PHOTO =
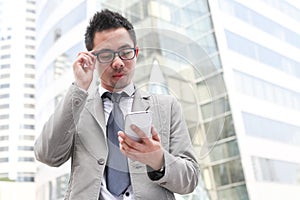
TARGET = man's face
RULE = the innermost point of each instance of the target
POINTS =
(118, 73)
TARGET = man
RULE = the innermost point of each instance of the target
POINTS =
(152, 168)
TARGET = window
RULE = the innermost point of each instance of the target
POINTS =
(234, 193)
(61, 185)
(30, 11)
(267, 25)
(228, 173)
(27, 126)
(4, 137)
(29, 95)
(30, 20)
(29, 76)
(4, 148)
(28, 116)
(211, 88)
(216, 107)
(30, 47)
(225, 150)
(25, 177)
(4, 127)
(25, 148)
(30, 29)
(30, 37)
(219, 129)
(4, 96)
(264, 90)
(26, 137)
(28, 85)
(271, 129)
(5, 47)
(29, 106)
(5, 116)
(25, 159)
(7, 85)
(264, 55)
(2, 160)
(29, 66)
(5, 66)
(5, 56)
(4, 106)
(2, 76)
(276, 171)
(30, 56)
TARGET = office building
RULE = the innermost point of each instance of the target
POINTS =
(17, 99)
(259, 44)
(17, 90)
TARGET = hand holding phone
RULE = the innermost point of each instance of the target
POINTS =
(142, 119)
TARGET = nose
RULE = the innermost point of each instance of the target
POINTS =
(117, 63)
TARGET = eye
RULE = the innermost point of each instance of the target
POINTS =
(105, 56)
(127, 53)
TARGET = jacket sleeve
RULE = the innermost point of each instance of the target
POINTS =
(181, 167)
(54, 145)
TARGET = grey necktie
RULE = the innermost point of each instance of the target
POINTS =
(117, 173)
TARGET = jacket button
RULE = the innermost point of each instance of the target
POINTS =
(101, 161)
(77, 102)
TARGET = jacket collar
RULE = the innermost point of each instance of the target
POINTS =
(141, 101)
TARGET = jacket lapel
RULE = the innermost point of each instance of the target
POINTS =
(94, 139)
(95, 107)
(141, 101)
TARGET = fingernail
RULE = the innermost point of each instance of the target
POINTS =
(133, 126)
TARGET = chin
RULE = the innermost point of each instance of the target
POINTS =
(120, 85)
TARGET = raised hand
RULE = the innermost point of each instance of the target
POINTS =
(83, 69)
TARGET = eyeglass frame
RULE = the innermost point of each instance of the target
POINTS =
(114, 54)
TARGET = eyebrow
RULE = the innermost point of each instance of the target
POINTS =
(121, 47)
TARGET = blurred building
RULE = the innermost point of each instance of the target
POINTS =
(233, 65)
(259, 44)
(17, 98)
(17, 84)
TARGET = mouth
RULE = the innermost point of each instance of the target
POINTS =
(118, 75)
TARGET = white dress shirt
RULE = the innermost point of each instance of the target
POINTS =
(126, 106)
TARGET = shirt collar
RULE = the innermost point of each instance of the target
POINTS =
(129, 90)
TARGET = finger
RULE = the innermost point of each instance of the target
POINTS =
(87, 61)
(127, 149)
(155, 135)
(126, 141)
(87, 58)
(139, 132)
(133, 146)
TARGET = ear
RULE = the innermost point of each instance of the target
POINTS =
(136, 51)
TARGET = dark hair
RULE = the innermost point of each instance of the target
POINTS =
(105, 20)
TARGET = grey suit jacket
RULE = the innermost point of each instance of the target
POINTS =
(77, 129)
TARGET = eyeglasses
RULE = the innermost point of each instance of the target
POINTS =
(107, 56)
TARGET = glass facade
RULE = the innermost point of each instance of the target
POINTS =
(193, 73)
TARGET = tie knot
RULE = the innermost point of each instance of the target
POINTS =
(115, 97)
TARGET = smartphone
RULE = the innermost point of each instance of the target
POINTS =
(142, 119)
